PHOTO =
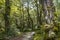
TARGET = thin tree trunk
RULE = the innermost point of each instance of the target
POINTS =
(7, 15)
(30, 21)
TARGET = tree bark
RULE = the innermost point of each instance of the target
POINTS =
(7, 15)
(47, 6)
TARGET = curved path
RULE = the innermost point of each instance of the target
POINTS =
(24, 36)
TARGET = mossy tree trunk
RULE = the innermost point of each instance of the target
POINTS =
(48, 11)
(7, 15)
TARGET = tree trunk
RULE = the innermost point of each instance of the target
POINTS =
(48, 14)
(7, 15)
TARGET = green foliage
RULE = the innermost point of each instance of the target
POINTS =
(24, 18)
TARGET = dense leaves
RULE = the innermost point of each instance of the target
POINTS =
(20, 16)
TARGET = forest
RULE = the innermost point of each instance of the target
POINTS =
(29, 19)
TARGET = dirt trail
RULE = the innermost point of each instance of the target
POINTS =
(24, 36)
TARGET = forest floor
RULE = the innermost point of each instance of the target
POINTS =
(24, 36)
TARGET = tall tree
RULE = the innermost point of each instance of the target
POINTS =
(48, 14)
(30, 21)
(7, 15)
